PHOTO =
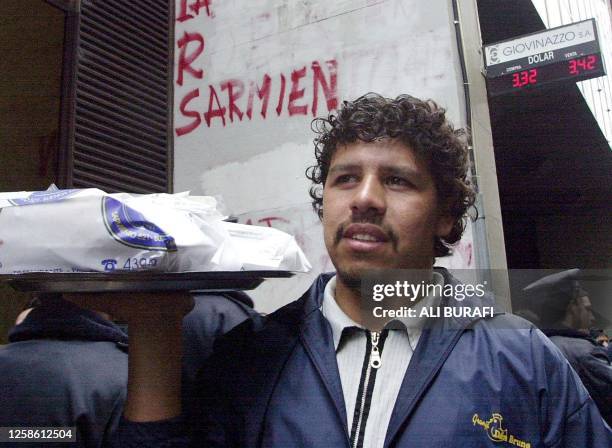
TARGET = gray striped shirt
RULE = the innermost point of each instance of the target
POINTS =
(350, 352)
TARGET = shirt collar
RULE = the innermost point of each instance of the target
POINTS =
(338, 320)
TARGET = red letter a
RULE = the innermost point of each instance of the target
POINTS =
(212, 113)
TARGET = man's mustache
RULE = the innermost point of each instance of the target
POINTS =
(367, 220)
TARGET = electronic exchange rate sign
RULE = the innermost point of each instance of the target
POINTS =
(566, 53)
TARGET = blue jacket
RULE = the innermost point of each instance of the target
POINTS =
(213, 315)
(274, 382)
(591, 362)
(64, 366)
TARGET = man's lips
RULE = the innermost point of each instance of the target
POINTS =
(365, 235)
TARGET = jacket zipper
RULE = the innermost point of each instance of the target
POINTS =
(374, 363)
(375, 360)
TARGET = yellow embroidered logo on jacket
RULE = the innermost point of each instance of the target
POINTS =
(496, 432)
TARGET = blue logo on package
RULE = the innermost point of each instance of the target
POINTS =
(131, 228)
(40, 197)
(109, 264)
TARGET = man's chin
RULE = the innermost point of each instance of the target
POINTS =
(358, 266)
(357, 271)
(350, 279)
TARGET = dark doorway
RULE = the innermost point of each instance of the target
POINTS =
(31, 36)
(32, 43)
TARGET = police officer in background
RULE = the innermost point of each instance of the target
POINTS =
(566, 318)
(64, 366)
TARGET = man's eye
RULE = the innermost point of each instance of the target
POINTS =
(344, 178)
(398, 181)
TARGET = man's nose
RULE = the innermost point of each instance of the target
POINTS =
(369, 197)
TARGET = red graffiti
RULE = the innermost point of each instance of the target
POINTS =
(213, 112)
(235, 89)
(466, 251)
(263, 94)
(194, 7)
(183, 15)
(268, 220)
(189, 113)
(199, 4)
(297, 93)
(232, 102)
(185, 61)
(329, 90)
(281, 97)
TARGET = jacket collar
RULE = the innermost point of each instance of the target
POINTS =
(60, 319)
(339, 321)
(568, 333)
(276, 336)
(317, 337)
(436, 344)
(312, 300)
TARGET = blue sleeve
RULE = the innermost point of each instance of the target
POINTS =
(596, 374)
(585, 428)
(169, 433)
(570, 416)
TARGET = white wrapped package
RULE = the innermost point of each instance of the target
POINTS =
(91, 231)
(267, 248)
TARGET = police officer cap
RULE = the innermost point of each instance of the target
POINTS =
(563, 285)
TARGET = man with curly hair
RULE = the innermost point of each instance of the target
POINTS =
(391, 187)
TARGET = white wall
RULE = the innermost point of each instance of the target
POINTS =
(257, 164)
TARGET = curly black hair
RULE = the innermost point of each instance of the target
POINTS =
(419, 124)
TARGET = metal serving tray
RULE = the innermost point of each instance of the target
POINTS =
(139, 281)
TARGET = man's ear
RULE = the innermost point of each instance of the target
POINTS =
(572, 306)
(444, 225)
(570, 312)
